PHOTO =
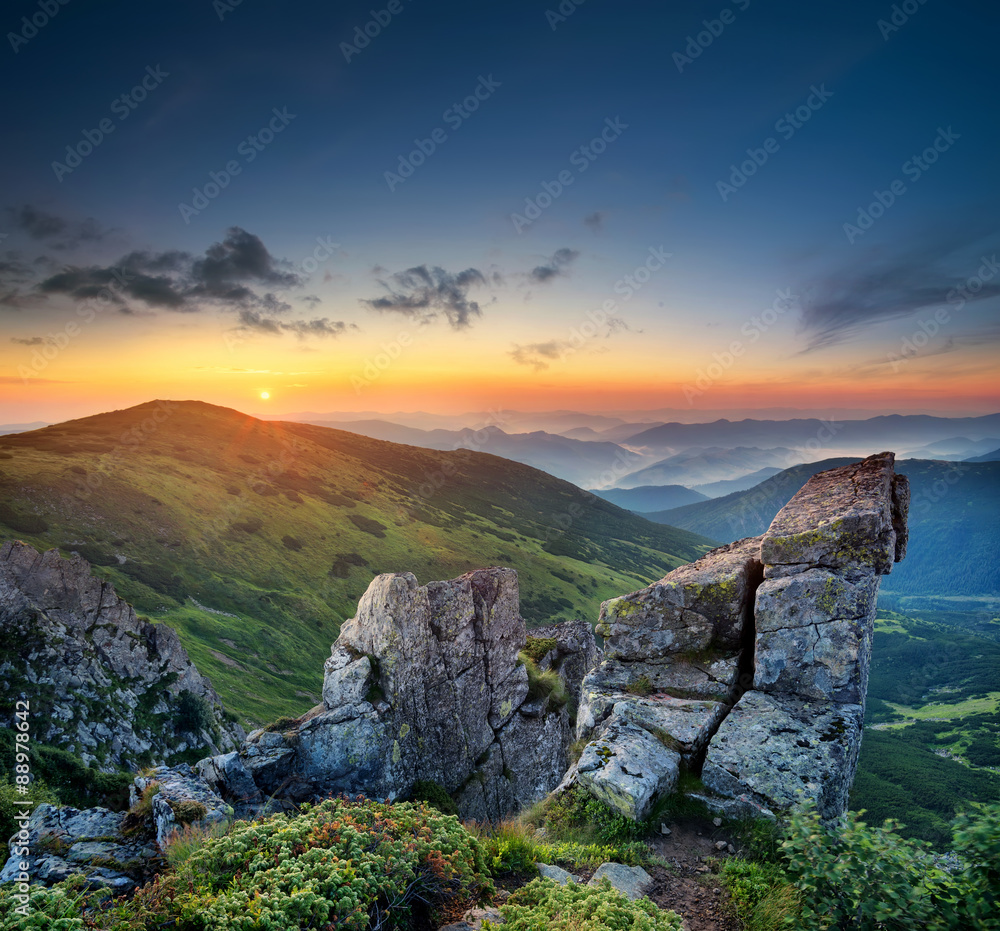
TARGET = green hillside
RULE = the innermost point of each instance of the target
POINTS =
(932, 726)
(255, 539)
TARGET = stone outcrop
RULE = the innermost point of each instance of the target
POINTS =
(750, 666)
(424, 683)
(103, 683)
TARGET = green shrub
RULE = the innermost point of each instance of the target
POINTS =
(537, 647)
(192, 713)
(21, 523)
(188, 811)
(283, 723)
(854, 876)
(367, 525)
(434, 794)
(545, 904)
(292, 543)
(576, 815)
(762, 897)
(548, 684)
(640, 686)
(57, 909)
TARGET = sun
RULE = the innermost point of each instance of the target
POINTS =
(264, 395)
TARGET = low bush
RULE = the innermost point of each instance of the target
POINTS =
(435, 795)
(545, 904)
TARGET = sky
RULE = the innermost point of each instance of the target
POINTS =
(413, 205)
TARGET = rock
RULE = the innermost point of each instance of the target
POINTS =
(474, 918)
(424, 683)
(183, 797)
(664, 830)
(556, 874)
(717, 822)
(627, 768)
(109, 692)
(63, 841)
(777, 749)
(721, 845)
(575, 652)
(753, 661)
(630, 881)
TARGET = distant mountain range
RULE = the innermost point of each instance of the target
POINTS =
(254, 539)
(954, 523)
(651, 497)
(707, 465)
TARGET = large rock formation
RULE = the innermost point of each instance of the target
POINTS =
(424, 683)
(750, 666)
(102, 683)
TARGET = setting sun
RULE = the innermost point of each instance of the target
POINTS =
(264, 395)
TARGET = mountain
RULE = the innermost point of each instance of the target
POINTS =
(577, 461)
(954, 526)
(896, 431)
(986, 457)
(728, 486)
(21, 427)
(712, 464)
(651, 497)
(956, 447)
(255, 539)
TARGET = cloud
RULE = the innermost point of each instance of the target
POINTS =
(254, 321)
(885, 287)
(15, 299)
(311, 299)
(227, 275)
(30, 340)
(538, 355)
(594, 221)
(57, 232)
(557, 265)
(425, 294)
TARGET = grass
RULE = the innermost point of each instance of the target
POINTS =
(936, 711)
(202, 508)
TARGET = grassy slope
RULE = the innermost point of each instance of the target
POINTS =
(932, 716)
(284, 525)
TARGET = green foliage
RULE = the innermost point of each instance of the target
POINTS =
(548, 684)
(20, 522)
(537, 647)
(577, 815)
(435, 795)
(192, 713)
(640, 686)
(188, 811)
(545, 904)
(367, 525)
(762, 898)
(60, 908)
(283, 723)
(856, 877)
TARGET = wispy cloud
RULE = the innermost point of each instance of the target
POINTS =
(426, 293)
(556, 266)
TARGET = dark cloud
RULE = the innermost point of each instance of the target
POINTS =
(427, 293)
(16, 299)
(227, 275)
(57, 232)
(254, 321)
(311, 299)
(556, 266)
(29, 341)
(884, 287)
(594, 221)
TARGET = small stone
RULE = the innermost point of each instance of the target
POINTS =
(717, 822)
(664, 830)
(721, 845)
(730, 849)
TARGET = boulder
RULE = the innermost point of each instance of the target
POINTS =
(183, 797)
(631, 881)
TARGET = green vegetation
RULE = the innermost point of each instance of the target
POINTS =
(932, 725)
(547, 684)
(544, 904)
(640, 686)
(435, 795)
(536, 647)
(277, 529)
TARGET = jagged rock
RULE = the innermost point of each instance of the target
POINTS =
(695, 607)
(180, 788)
(627, 768)
(630, 881)
(777, 750)
(574, 654)
(59, 842)
(228, 777)
(103, 683)
(781, 627)
(556, 873)
(424, 683)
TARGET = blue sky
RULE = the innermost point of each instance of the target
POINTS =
(835, 102)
